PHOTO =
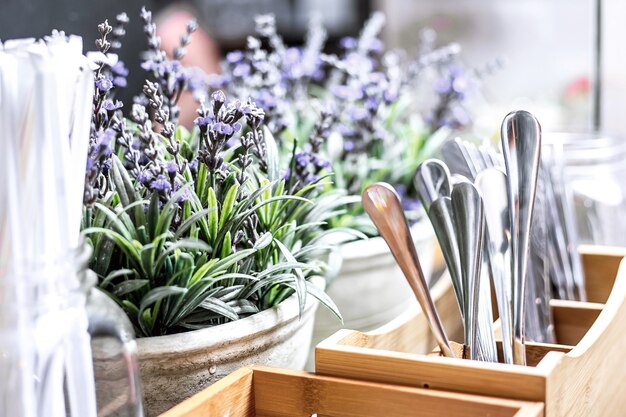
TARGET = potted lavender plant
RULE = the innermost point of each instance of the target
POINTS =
(212, 241)
(376, 116)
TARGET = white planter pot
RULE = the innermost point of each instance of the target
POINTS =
(175, 367)
(370, 289)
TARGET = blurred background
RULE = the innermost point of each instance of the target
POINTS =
(563, 60)
(548, 48)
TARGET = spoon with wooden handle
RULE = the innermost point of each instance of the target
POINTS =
(382, 204)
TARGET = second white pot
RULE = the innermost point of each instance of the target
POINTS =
(370, 289)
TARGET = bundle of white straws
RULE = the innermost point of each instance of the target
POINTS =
(46, 92)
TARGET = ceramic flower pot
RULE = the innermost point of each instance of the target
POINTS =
(370, 289)
(174, 367)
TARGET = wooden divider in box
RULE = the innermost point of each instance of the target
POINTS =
(267, 392)
(580, 376)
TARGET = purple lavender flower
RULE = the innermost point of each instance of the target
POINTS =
(204, 121)
(241, 70)
(293, 56)
(218, 81)
(377, 78)
(223, 128)
(303, 159)
(119, 68)
(120, 72)
(348, 93)
(104, 84)
(376, 46)
(110, 105)
(171, 167)
(442, 86)
(348, 146)
(193, 166)
(358, 114)
(104, 141)
(145, 177)
(234, 57)
(183, 197)
(161, 184)
(345, 130)
(320, 163)
(218, 96)
(390, 96)
(411, 204)
(348, 42)
(120, 82)
(148, 66)
(372, 103)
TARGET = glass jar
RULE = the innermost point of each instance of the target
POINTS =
(47, 318)
(595, 169)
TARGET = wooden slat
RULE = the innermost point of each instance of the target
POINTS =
(232, 396)
(499, 380)
(266, 392)
(573, 319)
(600, 264)
(281, 393)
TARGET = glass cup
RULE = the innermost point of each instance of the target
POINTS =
(595, 169)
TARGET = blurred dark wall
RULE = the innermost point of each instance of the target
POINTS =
(37, 18)
(228, 21)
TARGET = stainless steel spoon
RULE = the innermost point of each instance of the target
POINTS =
(521, 146)
(440, 215)
(432, 180)
(382, 204)
(492, 185)
(467, 207)
(458, 158)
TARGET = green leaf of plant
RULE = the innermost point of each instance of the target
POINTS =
(124, 244)
(202, 271)
(282, 266)
(323, 298)
(243, 307)
(190, 221)
(125, 188)
(213, 214)
(263, 241)
(194, 245)
(218, 306)
(272, 155)
(153, 214)
(300, 283)
(116, 274)
(202, 181)
(153, 296)
(102, 254)
(226, 243)
(129, 286)
(225, 263)
(117, 223)
(227, 205)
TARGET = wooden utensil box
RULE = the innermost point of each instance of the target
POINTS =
(582, 375)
